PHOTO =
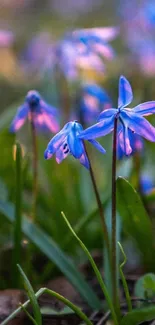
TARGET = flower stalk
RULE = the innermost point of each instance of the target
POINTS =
(100, 207)
(113, 220)
(35, 168)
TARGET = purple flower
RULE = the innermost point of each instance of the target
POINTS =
(44, 116)
(129, 119)
(93, 100)
(67, 142)
(96, 40)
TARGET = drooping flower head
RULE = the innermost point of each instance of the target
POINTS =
(94, 99)
(129, 119)
(66, 142)
(44, 116)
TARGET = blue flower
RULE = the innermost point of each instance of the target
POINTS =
(93, 100)
(146, 183)
(96, 40)
(44, 116)
(129, 119)
(66, 142)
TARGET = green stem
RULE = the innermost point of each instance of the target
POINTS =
(96, 271)
(113, 221)
(52, 293)
(125, 286)
(35, 168)
(18, 218)
(99, 204)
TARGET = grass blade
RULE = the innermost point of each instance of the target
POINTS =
(125, 286)
(32, 297)
(95, 268)
(18, 218)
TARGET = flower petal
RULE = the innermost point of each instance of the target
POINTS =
(138, 124)
(62, 153)
(108, 113)
(75, 145)
(105, 33)
(145, 109)
(124, 141)
(84, 160)
(57, 141)
(125, 92)
(20, 118)
(97, 145)
(99, 129)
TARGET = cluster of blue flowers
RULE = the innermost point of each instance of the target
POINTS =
(138, 23)
(70, 140)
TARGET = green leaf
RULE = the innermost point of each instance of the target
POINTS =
(32, 297)
(54, 253)
(145, 286)
(46, 310)
(136, 221)
(139, 316)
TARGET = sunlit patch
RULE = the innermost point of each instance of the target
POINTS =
(14, 151)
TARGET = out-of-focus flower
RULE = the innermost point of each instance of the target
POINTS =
(79, 49)
(129, 119)
(6, 38)
(38, 51)
(93, 100)
(85, 48)
(44, 116)
(138, 24)
(147, 183)
(66, 142)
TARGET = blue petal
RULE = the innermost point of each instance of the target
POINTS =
(20, 118)
(98, 130)
(75, 145)
(145, 109)
(124, 140)
(84, 160)
(62, 153)
(97, 145)
(125, 92)
(138, 124)
(57, 141)
(108, 113)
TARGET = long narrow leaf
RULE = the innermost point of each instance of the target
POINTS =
(32, 297)
(136, 222)
(54, 253)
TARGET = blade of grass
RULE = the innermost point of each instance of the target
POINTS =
(125, 286)
(95, 268)
(18, 218)
(32, 297)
